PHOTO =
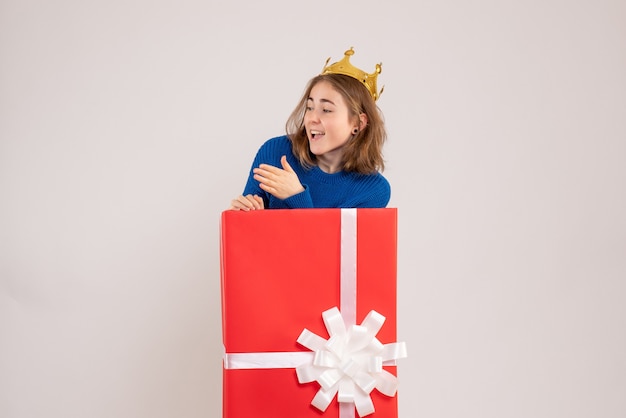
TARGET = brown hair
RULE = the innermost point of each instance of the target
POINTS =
(363, 152)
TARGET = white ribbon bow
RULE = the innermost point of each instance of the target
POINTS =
(350, 363)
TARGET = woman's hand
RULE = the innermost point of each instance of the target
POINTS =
(249, 202)
(280, 183)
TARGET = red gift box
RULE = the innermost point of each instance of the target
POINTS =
(280, 269)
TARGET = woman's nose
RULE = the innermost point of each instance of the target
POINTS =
(313, 115)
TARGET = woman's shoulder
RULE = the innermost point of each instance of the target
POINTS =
(377, 181)
(369, 190)
(373, 182)
(380, 180)
(375, 177)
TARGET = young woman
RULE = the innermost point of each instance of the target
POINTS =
(331, 156)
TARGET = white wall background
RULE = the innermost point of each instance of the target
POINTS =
(127, 126)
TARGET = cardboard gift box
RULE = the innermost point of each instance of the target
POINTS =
(280, 271)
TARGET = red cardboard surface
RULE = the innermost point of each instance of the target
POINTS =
(280, 270)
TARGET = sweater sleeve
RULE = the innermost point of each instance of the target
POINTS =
(270, 153)
(301, 200)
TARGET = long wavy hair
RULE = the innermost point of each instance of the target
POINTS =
(363, 151)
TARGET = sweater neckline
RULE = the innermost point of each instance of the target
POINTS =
(329, 178)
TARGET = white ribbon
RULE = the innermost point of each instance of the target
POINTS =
(265, 360)
(348, 266)
(348, 364)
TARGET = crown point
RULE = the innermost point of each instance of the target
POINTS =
(346, 68)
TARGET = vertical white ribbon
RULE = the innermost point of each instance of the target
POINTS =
(348, 266)
(346, 410)
(348, 283)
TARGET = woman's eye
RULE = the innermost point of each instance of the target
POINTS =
(308, 108)
(327, 110)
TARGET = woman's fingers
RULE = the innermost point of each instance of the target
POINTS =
(248, 202)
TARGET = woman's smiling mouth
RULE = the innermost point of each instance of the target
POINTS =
(316, 134)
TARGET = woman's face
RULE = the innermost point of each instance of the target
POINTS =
(328, 125)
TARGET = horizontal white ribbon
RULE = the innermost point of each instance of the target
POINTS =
(281, 359)
(276, 360)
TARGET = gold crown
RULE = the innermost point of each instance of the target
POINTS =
(344, 67)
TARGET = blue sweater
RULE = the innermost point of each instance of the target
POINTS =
(321, 190)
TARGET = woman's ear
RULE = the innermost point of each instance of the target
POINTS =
(362, 121)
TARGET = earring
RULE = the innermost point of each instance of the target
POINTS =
(355, 131)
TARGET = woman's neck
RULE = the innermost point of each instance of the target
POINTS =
(330, 162)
